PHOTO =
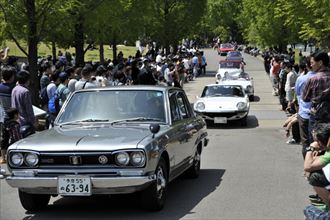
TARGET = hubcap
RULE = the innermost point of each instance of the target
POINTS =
(161, 182)
(197, 159)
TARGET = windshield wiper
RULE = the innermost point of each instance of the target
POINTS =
(137, 119)
(79, 122)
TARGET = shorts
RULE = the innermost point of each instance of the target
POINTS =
(318, 179)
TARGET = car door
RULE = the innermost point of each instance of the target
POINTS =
(190, 125)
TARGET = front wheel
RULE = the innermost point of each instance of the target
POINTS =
(194, 170)
(153, 198)
(33, 202)
(244, 121)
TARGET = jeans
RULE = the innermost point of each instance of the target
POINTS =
(313, 213)
(304, 134)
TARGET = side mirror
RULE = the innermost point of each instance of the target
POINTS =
(154, 129)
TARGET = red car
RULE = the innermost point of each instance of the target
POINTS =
(225, 48)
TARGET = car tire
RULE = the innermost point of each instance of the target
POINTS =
(153, 198)
(251, 98)
(194, 170)
(33, 202)
(244, 121)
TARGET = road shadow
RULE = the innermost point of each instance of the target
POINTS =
(183, 195)
(255, 99)
(252, 122)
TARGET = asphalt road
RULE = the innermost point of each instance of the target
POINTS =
(247, 173)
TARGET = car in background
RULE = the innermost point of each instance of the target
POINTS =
(225, 48)
(223, 102)
(233, 54)
(113, 140)
(226, 66)
(238, 77)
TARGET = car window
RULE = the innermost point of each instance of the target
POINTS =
(184, 109)
(175, 112)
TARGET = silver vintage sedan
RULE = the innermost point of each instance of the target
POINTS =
(110, 141)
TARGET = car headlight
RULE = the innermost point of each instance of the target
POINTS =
(31, 159)
(200, 106)
(218, 76)
(17, 159)
(137, 158)
(241, 106)
(122, 158)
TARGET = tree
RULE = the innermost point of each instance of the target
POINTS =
(28, 27)
(171, 20)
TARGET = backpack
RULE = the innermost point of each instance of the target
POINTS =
(43, 96)
(54, 103)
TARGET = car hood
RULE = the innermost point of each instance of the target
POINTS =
(95, 138)
(216, 104)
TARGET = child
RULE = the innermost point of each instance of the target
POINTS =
(11, 130)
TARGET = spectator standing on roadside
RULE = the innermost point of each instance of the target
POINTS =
(304, 107)
(317, 84)
(274, 76)
(8, 74)
(290, 83)
(84, 82)
(21, 100)
(46, 70)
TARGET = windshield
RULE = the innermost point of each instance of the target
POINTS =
(234, 54)
(114, 106)
(236, 75)
(230, 65)
(226, 46)
(223, 90)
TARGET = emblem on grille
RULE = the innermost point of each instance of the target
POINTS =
(103, 159)
(75, 160)
(220, 106)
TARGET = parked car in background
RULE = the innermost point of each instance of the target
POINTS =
(225, 48)
(238, 77)
(223, 102)
(110, 141)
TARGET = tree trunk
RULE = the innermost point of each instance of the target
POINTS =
(33, 50)
(101, 50)
(54, 52)
(79, 43)
(166, 28)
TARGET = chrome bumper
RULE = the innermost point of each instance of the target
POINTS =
(100, 185)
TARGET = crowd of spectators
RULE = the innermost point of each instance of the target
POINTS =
(59, 77)
(304, 94)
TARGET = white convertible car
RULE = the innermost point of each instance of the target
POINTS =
(223, 102)
(237, 77)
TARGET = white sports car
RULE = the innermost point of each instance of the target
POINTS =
(227, 66)
(237, 77)
(223, 102)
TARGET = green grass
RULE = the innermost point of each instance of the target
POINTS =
(44, 50)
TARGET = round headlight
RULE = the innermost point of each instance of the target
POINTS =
(249, 88)
(17, 159)
(200, 106)
(31, 159)
(218, 76)
(137, 158)
(241, 106)
(122, 158)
